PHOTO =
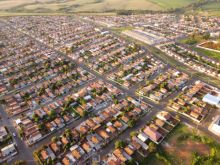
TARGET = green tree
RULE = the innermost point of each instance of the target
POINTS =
(131, 123)
(133, 133)
(152, 147)
(40, 126)
(52, 114)
(20, 162)
(54, 139)
(36, 118)
(21, 132)
(119, 144)
(206, 36)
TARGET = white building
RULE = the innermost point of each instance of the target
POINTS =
(8, 150)
(215, 126)
(211, 99)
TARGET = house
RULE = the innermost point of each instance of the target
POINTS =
(159, 122)
(163, 115)
(153, 134)
(103, 134)
(121, 155)
(55, 147)
(94, 140)
(90, 123)
(129, 150)
(113, 160)
(44, 154)
(66, 161)
(9, 149)
(176, 106)
(195, 115)
(77, 152)
(86, 147)
(34, 137)
(135, 144)
(117, 124)
(111, 129)
(75, 134)
(143, 137)
(3, 133)
(64, 140)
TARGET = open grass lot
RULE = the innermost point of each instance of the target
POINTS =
(184, 146)
(33, 6)
(9, 4)
(95, 5)
(172, 3)
(208, 53)
(212, 8)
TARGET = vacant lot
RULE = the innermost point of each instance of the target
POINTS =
(88, 5)
(185, 146)
(182, 147)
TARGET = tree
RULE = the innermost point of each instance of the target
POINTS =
(41, 91)
(133, 133)
(84, 113)
(131, 123)
(82, 101)
(19, 162)
(21, 132)
(68, 133)
(36, 118)
(131, 162)
(152, 147)
(177, 117)
(115, 101)
(52, 114)
(54, 139)
(213, 152)
(2, 101)
(119, 144)
(206, 36)
(40, 126)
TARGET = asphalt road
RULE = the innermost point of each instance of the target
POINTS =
(24, 152)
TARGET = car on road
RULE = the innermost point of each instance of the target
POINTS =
(14, 134)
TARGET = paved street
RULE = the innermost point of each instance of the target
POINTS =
(24, 152)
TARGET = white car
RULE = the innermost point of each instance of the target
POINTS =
(14, 134)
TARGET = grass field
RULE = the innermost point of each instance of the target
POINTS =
(210, 9)
(212, 54)
(167, 4)
(33, 6)
(211, 6)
